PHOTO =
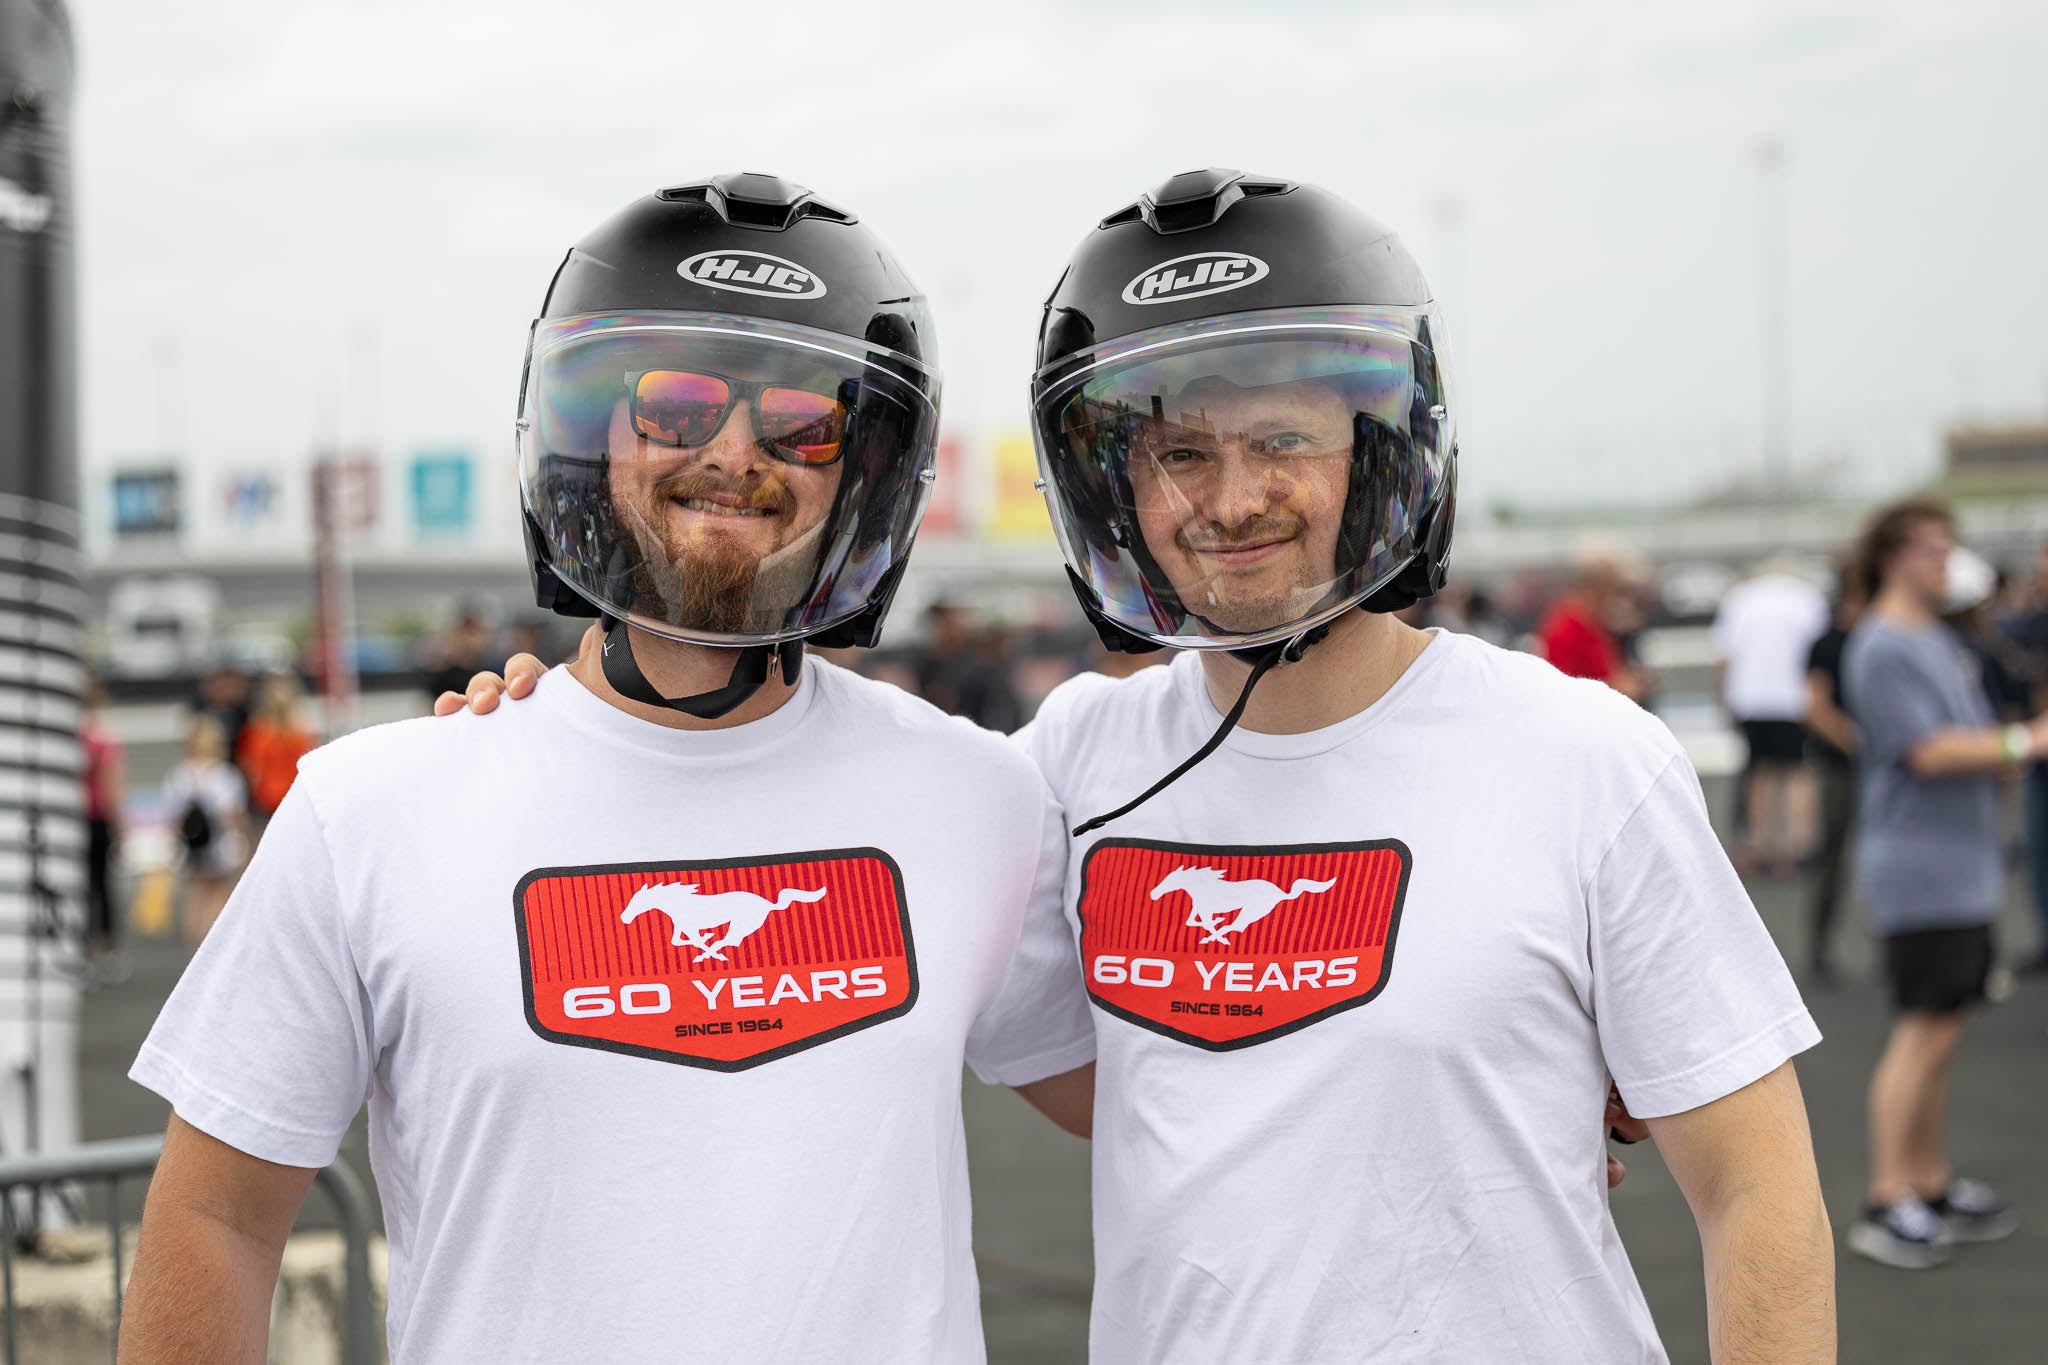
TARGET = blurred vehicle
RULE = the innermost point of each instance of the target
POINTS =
(160, 627)
(258, 648)
(379, 654)
(1693, 590)
(372, 656)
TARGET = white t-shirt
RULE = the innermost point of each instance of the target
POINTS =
(661, 1031)
(1358, 994)
(1764, 630)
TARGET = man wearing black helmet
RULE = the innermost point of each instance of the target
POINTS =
(666, 1067)
(1363, 966)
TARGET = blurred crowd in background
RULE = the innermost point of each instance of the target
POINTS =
(1773, 641)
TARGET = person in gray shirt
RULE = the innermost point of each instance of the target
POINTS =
(1930, 867)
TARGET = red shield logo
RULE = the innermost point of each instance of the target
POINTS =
(1227, 947)
(724, 965)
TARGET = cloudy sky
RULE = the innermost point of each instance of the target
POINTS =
(333, 218)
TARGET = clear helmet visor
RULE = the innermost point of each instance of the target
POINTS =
(1236, 481)
(722, 480)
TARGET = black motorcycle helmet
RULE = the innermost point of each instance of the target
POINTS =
(1244, 424)
(727, 426)
(1208, 300)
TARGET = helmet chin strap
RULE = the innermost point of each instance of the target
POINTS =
(749, 671)
(1263, 660)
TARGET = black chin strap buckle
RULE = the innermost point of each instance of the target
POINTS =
(750, 670)
(1283, 651)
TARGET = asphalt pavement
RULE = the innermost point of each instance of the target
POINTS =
(1987, 1307)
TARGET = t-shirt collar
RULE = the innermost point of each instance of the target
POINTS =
(1255, 744)
(592, 714)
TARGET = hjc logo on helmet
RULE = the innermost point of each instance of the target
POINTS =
(751, 272)
(1194, 277)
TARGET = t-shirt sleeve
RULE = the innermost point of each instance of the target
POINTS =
(266, 1042)
(1893, 703)
(1690, 995)
(1038, 1024)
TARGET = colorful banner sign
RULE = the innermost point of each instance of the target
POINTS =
(946, 514)
(1017, 509)
(443, 493)
(250, 498)
(146, 502)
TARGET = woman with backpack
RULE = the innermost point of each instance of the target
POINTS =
(207, 804)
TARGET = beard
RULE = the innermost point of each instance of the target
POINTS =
(704, 582)
(707, 586)
(1227, 602)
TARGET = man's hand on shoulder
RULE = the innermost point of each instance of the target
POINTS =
(522, 674)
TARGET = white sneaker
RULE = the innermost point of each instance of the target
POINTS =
(1973, 1212)
(1904, 1233)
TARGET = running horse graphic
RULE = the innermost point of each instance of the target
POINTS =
(694, 916)
(1216, 899)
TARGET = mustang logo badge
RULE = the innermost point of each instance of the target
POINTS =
(1214, 898)
(693, 916)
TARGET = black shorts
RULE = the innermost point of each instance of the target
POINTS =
(1938, 971)
(1775, 741)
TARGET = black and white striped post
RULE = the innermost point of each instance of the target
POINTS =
(42, 824)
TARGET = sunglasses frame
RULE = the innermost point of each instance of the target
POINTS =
(739, 391)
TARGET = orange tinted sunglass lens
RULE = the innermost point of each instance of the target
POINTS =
(802, 425)
(678, 408)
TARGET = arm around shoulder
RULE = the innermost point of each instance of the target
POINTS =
(213, 1233)
(1068, 1099)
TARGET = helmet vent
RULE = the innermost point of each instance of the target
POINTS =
(1192, 213)
(818, 208)
(756, 201)
(1129, 213)
(754, 213)
(1198, 199)
(1254, 188)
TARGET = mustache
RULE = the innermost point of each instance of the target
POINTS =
(759, 489)
(1212, 538)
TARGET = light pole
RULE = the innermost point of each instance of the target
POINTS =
(1770, 161)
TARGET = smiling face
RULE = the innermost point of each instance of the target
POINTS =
(726, 530)
(1240, 497)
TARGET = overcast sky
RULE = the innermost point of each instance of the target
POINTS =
(320, 218)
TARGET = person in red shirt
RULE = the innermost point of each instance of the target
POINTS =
(272, 744)
(1575, 635)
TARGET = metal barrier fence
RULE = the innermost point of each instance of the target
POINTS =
(124, 1158)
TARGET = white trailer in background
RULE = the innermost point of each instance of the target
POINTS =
(162, 626)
